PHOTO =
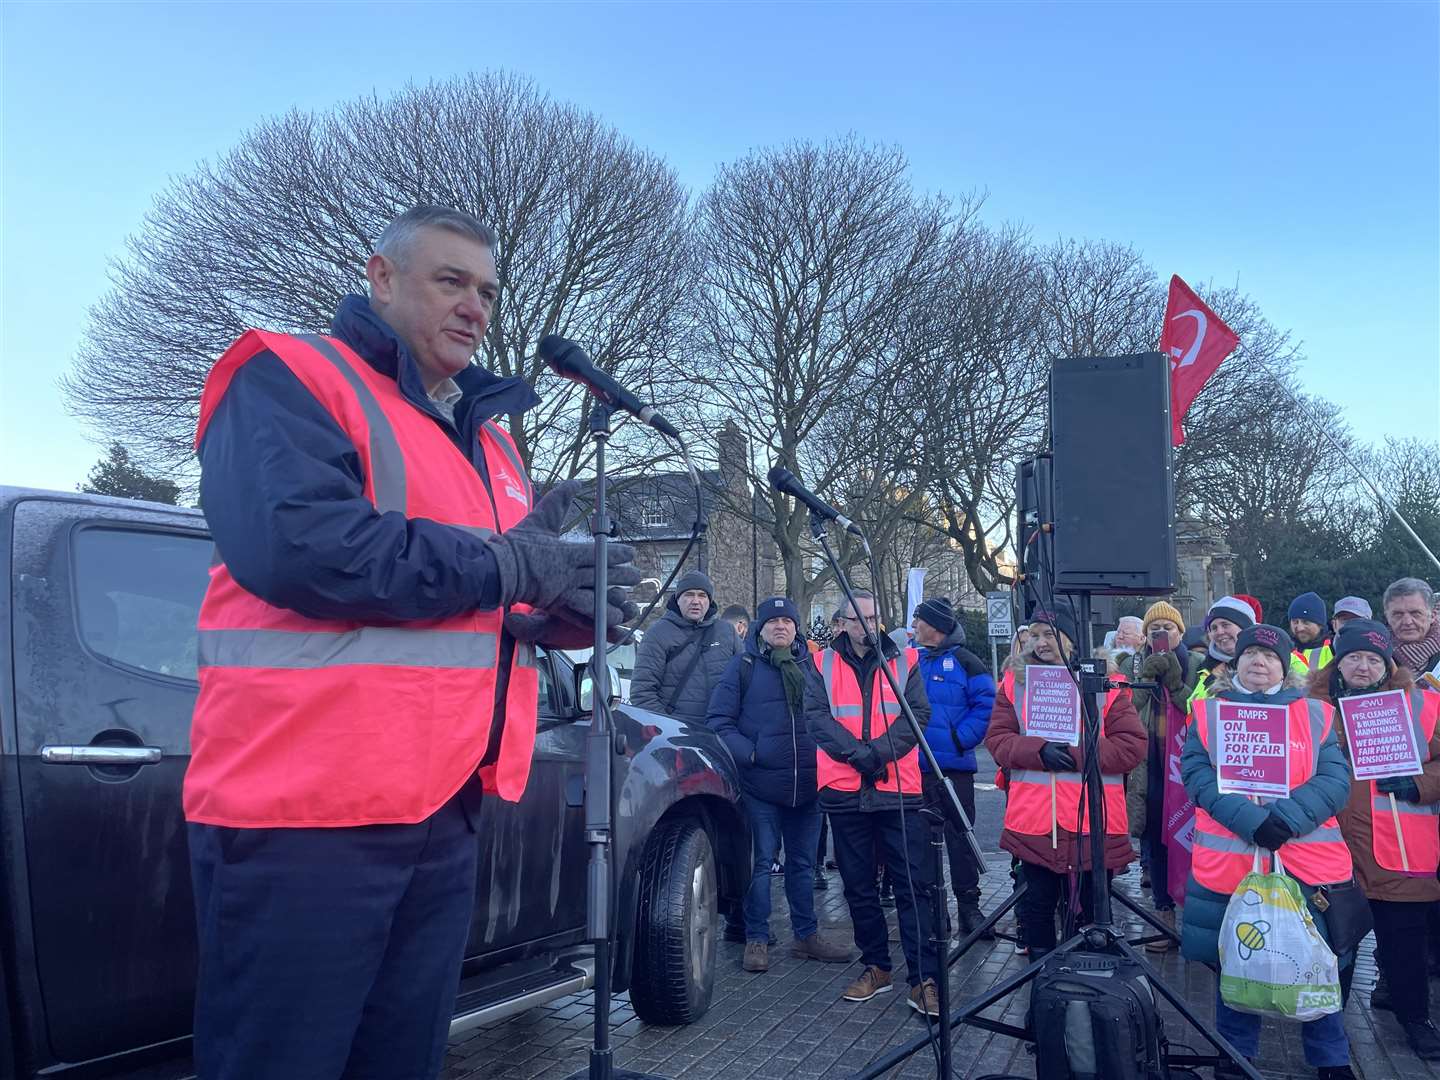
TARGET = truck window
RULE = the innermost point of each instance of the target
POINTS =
(139, 596)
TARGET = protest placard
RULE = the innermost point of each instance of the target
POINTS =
(1052, 704)
(1380, 735)
(1253, 757)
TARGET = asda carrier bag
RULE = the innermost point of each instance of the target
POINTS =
(1272, 959)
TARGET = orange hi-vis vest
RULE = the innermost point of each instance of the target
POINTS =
(847, 704)
(1418, 824)
(1219, 858)
(318, 722)
(1027, 810)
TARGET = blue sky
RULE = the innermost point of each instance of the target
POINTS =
(1294, 148)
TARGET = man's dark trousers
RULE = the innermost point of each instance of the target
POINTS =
(331, 953)
(906, 854)
(964, 871)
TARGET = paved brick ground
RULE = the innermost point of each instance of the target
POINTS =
(790, 1022)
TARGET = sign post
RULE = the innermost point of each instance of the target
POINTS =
(998, 615)
(1052, 713)
(1380, 735)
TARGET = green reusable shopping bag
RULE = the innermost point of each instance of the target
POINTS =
(1272, 959)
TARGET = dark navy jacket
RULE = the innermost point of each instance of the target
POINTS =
(961, 691)
(766, 736)
(283, 490)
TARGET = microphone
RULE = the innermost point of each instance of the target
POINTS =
(783, 480)
(566, 358)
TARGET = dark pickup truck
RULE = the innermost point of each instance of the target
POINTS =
(97, 682)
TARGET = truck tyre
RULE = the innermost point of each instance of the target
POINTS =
(674, 971)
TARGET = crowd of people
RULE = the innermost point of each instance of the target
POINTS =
(817, 732)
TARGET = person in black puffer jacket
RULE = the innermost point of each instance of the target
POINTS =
(758, 710)
(683, 655)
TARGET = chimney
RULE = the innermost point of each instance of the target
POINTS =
(734, 456)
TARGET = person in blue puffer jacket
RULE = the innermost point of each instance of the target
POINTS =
(961, 692)
(758, 710)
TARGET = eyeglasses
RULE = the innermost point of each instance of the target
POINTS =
(868, 618)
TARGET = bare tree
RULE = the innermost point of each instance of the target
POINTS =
(812, 259)
(592, 244)
(980, 393)
(1100, 299)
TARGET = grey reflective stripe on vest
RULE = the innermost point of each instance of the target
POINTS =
(1416, 699)
(387, 463)
(1380, 804)
(1042, 776)
(1326, 834)
(1230, 844)
(525, 654)
(389, 646)
(512, 454)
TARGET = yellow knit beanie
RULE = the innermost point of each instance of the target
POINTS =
(1161, 610)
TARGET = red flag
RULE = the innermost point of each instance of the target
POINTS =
(1196, 341)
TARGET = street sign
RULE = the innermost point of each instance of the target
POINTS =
(997, 610)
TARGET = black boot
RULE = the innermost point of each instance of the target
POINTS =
(820, 881)
(1380, 997)
(1423, 1038)
(1336, 1072)
(969, 916)
(887, 893)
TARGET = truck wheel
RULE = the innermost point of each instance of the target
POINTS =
(674, 971)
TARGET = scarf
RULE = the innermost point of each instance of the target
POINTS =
(1414, 655)
(790, 675)
(1339, 689)
(1216, 654)
(1257, 693)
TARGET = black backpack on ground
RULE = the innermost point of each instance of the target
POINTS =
(1093, 1017)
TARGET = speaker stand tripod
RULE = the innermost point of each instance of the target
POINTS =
(1100, 936)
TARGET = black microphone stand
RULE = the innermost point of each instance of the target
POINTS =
(950, 807)
(600, 751)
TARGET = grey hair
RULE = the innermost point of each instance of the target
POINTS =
(859, 594)
(398, 238)
(1408, 586)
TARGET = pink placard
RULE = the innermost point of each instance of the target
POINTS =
(1052, 704)
(1253, 755)
(1380, 735)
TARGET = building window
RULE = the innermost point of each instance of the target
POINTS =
(653, 516)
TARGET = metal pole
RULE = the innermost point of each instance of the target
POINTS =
(598, 775)
(1380, 495)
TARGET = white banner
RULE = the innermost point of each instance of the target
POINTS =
(914, 593)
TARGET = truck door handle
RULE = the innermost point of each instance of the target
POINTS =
(100, 755)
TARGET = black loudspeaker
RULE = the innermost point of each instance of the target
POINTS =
(1034, 543)
(1114, 483)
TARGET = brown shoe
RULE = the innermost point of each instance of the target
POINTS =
(925, 998)
(1164, 944)
(757, 956)
(872, 981)
(815, 947)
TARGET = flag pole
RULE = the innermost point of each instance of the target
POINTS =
(1379, 495)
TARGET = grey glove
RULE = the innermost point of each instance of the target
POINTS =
(567, 631)
(539, 567)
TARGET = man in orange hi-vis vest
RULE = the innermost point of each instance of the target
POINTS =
(868, 774)
(366, 655)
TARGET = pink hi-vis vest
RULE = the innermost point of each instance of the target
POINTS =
(318, 722)
(846, 705)
(1027, 810)
(1417, 823)
(1220, 859)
